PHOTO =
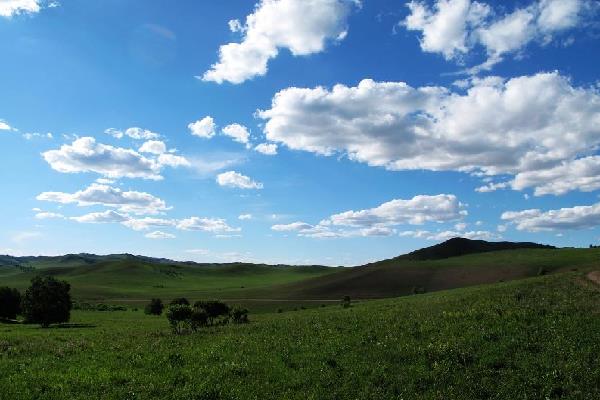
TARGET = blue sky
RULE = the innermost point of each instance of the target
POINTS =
(381, 126)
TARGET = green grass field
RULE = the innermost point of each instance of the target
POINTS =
(532, 339)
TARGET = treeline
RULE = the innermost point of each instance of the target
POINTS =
(184, 317)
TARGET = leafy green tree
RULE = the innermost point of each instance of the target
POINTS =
(213, 308)
(10, 303)
(180, 317)
(155, 307)
(47, 301)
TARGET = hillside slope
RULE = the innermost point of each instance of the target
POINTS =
(402, 276)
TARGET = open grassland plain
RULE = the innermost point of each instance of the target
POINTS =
(135, 281)
(532, 339)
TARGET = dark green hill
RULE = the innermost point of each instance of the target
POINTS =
(402, 276)
(460, 246)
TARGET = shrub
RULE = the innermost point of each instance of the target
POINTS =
(198, 319)
(239, 315)
(346, 301)
(181, 301)
(213, 308)
(10, 303)
(155, 307)
(180, 317)
(47, 301)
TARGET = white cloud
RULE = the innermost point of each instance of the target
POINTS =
(204, 128)
(445, 30)
(142, 224)
(236, 180)
(301, 26)
(455, 27)
(97, 194)
(213, 225)
(172, 160)
(134, 133)
(86, 155)
(292, 227)
(4, 126)
(245, 217)
(9, 8)
(159, 235)
(153, 147)
(48, 215)
(105, 217)
(269, 149)
(237, 132)
(582, 174)
(381, 220)
(523, 124)
(535, 220)
(37, 135)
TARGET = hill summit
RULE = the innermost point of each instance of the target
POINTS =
(461, 246)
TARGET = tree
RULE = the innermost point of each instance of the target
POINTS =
(182, 301)
(213, 308)
(10, 303)
(179, 317)
(47, 301)
(155, 307)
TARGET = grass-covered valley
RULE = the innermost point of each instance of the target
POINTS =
(501, 324)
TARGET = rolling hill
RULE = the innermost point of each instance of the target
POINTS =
(452, 264)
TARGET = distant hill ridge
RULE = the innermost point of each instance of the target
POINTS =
(456, 247)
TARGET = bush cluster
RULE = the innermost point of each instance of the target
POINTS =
(184, 318)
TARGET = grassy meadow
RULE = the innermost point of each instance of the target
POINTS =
(537, 338)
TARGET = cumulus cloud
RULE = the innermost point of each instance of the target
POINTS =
(237, 132)
(48, 215)
(159, 235)
(172, 160)
(142, 224)
(134, 133)
(105, 217)
(236, 180)
(498, 126)
(10, 8)
(453, 28)
(97, 194)
(382, 220)
(244, 217)
(535, 220)
(86, 155)
(204, 128)
(4, 126)
(301, 26)
(269, 149)
(213, 225)
(153, 147)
